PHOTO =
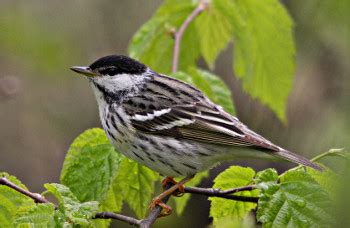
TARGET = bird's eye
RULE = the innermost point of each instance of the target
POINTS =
(109, 71)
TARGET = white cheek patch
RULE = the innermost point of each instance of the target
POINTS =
(115, 83)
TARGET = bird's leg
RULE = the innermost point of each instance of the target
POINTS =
(158, 200)
(170, 181)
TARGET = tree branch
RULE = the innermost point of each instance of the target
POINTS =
(226, 194)
(153, 215)
(178, 35)
(35, 196)
(111, 215)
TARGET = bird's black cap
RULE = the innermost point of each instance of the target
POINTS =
(118, 64)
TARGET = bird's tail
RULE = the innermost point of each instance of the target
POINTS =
(287, 155)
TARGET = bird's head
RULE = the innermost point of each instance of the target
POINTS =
(113, 74)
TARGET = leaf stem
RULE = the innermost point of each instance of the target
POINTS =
(178, 35)
(332, 152)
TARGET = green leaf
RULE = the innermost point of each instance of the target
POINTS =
(136, 183)
(113, 202)
(215, 31)
(90, 158)
(210, 84)
(267, 175)
(39, 215)
(11, 200)
(153, 43)
(327, 179)
(263, 49)
(231, 222)
(298, 201)
(182, 201)
(233, 177)
(71, 207)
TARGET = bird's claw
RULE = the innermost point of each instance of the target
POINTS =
(169, 180)
(167, 210)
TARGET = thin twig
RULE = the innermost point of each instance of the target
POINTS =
(35, 196)
(178, 35)
(226, 194)
(111, 215)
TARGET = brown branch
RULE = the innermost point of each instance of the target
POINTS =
(226, 194)
(152, 217)
(178, 35)
(35, 196)
(111, 215)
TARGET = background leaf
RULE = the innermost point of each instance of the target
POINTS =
(327, 179)
(215, 31)
(233, 177)
(298, 201)
(136, 183)
(153, 43)
(263, 50)
(71, 207)
(91, 157)
(267, 175)
(39, 215)
(230, 222)
(11, 200)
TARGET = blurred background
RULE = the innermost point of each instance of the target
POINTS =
(44, 106)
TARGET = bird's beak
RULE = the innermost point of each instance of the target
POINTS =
(83, 70)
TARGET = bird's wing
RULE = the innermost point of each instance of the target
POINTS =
(192, 120)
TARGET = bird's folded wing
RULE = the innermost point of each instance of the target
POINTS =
(198, 122)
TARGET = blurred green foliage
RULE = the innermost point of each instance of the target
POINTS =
(42, 48)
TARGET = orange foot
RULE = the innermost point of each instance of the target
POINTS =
(170, 180)
(158, 202)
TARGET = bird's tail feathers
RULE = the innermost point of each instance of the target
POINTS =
(292, 157)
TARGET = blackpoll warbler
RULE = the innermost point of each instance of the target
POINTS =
(168, 125)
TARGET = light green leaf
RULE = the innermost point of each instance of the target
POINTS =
(182, 201)
(153, 43)
(39, 215)
(71, 207)
(327, 179)
(298, 201)
(136, 183)
(267, 175)
(263, 49)
(233, 177)
(231, 222)
(215, 31)
(11, 200)
(90, 157)
(210, 84)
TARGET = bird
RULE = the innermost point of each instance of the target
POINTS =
(168, 125)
